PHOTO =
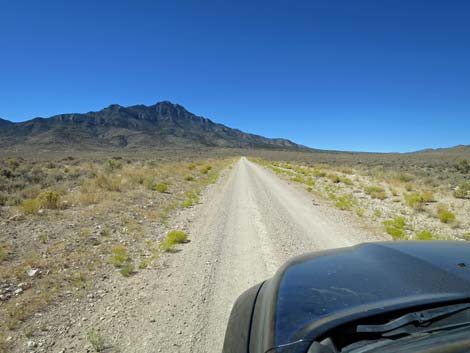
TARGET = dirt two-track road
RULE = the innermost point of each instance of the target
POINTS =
(246, 226)
(249, 224)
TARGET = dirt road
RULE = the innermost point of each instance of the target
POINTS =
(247, 225)
(250, 223)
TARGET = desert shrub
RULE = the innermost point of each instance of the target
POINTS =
(309, 189)
(395, 227)
(405, 178)
(192, 166)
(360, 211)
(108, 183)
(205, 168)
(344, 202)
(444, 215)
(425, 235)
(96, 340)
(118, 256)
(187, 203)
(112, 164)
(428, 196)
(127, 269)
(462, 191)
(310, 182)
(149, 183)
(161, 187)
(415, 200)
(409, 187)
(297, 178)
(335, 178)
(49, 200)
(345, 180)
(173, 237)
(319, 173)
(30, 206)
(189, 177)
(376, 192)
(377, 213)
(191, 198)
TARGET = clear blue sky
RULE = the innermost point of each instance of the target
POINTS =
(376, 75)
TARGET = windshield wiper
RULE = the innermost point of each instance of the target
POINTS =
(419, 317)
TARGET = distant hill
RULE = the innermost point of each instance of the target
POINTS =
(134, 127)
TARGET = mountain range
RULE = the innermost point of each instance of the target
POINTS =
(139, 126)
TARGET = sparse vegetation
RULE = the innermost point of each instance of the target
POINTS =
(96, 340)
(425, 235)
(395, 227)
(105, 212)
(344, 202)
(376, 192)
(127, 269)
(118, 256)
(161, 187)
(462, 191)
(173, 237)
(445, 216)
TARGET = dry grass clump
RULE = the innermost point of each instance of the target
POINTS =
(376, 192)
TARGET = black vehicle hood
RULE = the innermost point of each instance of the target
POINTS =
(316, 292)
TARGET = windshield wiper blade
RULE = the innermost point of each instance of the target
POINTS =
(419, 316)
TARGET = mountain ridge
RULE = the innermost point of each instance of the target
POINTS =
(136, 126)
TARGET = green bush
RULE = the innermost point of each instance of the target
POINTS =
(376, 192)
(415, 200)
(310, 182)
(395, 227)
(49, 200)
(344, 202)
(118, 256)
(445, 216)
(425, 235)
(127, 269)
(173, 237)
(463, 190)
(161, 187)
